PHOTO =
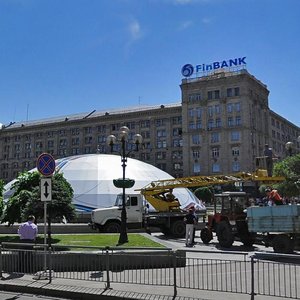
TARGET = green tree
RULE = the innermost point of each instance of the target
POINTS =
(25, 199)
(290, 169)
(204, 193)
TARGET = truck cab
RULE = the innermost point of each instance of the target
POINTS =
(108, 219)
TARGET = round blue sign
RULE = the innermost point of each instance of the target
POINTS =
(46, 164)
(187, 70)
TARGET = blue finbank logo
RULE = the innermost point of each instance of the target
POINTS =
(188, 69)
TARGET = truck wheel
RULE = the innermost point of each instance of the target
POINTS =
(224, 234)
(178, 228)
(283, 244)
(206, 235)
(246, 237)
(112, 227)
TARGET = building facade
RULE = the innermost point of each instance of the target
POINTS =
(220, 126)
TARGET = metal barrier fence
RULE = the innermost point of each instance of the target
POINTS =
(159, 267)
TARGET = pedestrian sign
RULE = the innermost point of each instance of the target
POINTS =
(46, 164)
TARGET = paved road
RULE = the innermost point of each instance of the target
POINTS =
(20, 296)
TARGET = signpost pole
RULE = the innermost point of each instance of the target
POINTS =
(46, 166)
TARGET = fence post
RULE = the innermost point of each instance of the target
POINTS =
(107, 268)
(1, 265)
(50, 265)
(174, 271)
(252, 278)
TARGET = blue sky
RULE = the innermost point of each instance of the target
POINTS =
(59, 57)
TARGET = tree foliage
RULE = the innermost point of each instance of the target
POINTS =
(204, 193)
(25, 199)
(290, 169)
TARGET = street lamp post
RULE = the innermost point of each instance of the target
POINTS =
(289, 148)
(123, 182)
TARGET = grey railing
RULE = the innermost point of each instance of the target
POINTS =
(256, 275)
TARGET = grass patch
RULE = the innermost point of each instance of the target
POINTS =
(94, 240)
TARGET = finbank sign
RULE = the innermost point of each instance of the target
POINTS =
(188, 69)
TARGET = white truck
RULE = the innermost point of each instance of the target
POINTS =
(139, 216)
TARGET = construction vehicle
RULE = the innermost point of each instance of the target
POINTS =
(228, 220)
(168, 215)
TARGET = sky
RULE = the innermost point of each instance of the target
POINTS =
(62, 57)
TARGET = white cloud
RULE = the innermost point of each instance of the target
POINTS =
(135, 30)
(184, 25)
(206, 20)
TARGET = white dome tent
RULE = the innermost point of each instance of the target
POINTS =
(91, 177)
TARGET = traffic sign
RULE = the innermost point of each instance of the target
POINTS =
(46, 164)
(46, 189)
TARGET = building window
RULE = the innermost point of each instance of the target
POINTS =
(217, 109)
(229, 92)
(210, 111)
(210, 124)
(238, 107)
(192, 125)
(236, 167)
(238, 121)
(145, 134)
(161, 155)
(177, 120)
(177, 131)
(145, 124)
(75, 131)
(177, 143)
(196, 168)
(87, 150)
(218, 123)
(194, 97)
(215, 152)
(217, 94)
(230, 121)
(177, 166)
(215, 137)
(50, 144)
(162, 166)
(236, 91)
(196, 139)
(88, 140)
(161, 144)
(75, 151)
(101, 128)
(235, 136)
(87, 130)
(160, 122)
(216, 168)
(101, 138)
(177, 155)
(196, 154)
(235, 151)
(161, 133)
(209, 95)
(229, 107)
(63, 143)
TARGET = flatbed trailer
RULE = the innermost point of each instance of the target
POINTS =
(279, 225)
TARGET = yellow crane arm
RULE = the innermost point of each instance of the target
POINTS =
(155, 192)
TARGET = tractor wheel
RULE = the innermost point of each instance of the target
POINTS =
(224, 234)
(206, 235)
(178, 228)
(283, 244)
(112, 227)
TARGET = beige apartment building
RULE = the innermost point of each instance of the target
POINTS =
(220, 126)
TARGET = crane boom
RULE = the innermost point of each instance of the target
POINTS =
(155, 192)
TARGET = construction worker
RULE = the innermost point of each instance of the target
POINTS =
(273, 196)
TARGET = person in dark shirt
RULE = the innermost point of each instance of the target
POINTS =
(190, 221)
